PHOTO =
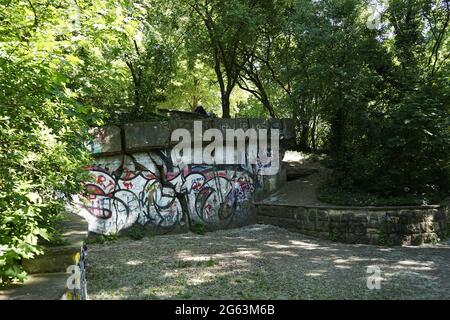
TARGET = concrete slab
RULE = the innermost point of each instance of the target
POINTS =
(50, 286)
(105, 141)
(146, 135)
(58, 258)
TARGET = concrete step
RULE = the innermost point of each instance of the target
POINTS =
(58, 258)
(296, 170)
(47, 286)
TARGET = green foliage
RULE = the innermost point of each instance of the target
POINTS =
(102, 238)
(383, 239)
(211, 262)
(136, 232)
(42, 130)
(331, 192)
(333, 235)
(433, 238)
(387, 104)
(199, 228)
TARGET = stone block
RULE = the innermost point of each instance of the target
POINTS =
(373, 223)
(267, 210)
(311, 215)
(56, 259)
(350, 238)
(322, 226)
(439, 215)
(323, 235)
(412, 228)
(105, 141)
(373, 238)
(341, 237)
(301, 213)
(358, 229)
(224, 124)
(284, 212)
(417, 239)
(146, 135)
(346, 217)
(342, 228)
(189, 125)
(258, 123)
(309, 226)
(334, 217)
(322, 215)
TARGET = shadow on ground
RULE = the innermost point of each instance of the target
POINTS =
(263, 262)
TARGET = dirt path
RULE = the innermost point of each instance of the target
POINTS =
(262, 262)
(301, 191)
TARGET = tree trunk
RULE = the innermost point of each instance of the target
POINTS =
(337, 141)
(137, 98)
(303, 144)
(313, 134)
(265, 101)
(194, 102)
(225, 105)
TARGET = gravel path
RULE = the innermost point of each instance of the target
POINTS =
(262, 262)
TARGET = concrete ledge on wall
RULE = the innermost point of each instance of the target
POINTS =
(105, 141)
(407, 225)
(224, 124)
(189, 125)
(146, 135)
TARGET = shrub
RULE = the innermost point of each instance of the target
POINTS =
(199, 228)
(136, 232)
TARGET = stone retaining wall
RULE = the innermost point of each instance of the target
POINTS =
(369, 225)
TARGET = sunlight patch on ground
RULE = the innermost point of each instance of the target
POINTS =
(294, 156)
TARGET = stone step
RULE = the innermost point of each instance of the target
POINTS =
(54, 259)
(58, 258)
(295, 170)
(47, 286)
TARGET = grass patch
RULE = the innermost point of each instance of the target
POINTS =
(101, 238)
(182, 264)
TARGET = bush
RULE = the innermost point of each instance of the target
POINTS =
(42, 155)
(402, 158)
(199, 228)
(41, 160)
(136, 232)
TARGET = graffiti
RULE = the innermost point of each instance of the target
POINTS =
(146, 189)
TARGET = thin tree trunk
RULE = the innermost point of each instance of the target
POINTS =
(304, 137)
(313, 134)
(226, 105)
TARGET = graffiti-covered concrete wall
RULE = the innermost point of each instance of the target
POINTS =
(134, 180)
